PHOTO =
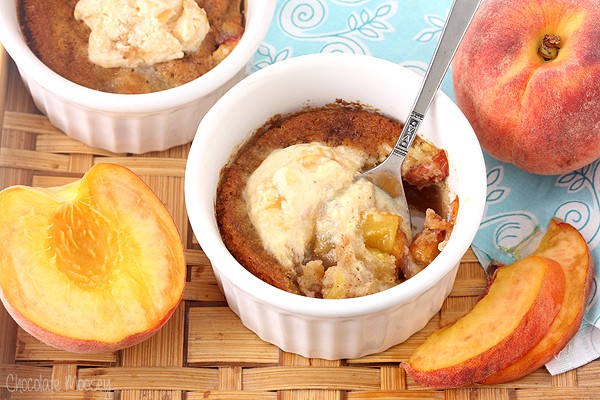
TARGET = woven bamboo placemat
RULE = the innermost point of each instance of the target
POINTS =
(204, 352)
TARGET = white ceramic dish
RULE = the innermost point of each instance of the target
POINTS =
(131, 123)
(347, 328)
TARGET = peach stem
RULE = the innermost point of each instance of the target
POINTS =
(549, 48)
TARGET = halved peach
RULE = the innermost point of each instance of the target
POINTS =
(95, 265)
(516, 312)
(565, 245)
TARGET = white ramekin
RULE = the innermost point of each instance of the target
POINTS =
(347, 328)
(135, 123)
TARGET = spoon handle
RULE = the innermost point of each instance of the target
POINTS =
(459, 18)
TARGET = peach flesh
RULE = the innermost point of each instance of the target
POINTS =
(92, 266)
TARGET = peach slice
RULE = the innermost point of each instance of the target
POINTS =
(519, 307)
(92, 266)
(565, 245)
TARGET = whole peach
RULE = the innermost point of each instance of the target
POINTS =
(527, 77)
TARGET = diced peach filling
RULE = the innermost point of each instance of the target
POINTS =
(381, 232)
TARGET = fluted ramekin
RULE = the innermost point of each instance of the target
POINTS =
(131, 123)
(325, 328)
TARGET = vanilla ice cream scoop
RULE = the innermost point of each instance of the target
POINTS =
(133, 33)
(306, 196)
(285, 193)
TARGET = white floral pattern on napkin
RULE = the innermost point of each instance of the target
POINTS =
(519, 205)
(404, 32)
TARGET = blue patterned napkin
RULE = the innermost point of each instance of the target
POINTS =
(519, 205)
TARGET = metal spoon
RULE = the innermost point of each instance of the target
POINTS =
(387, 175)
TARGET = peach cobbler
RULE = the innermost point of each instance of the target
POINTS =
(131, 46)
(291, 211)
